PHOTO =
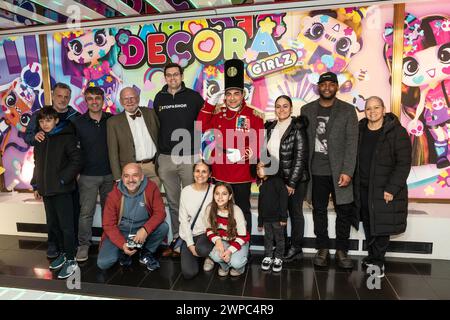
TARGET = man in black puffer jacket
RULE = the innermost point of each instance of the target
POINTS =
(289, 145)
(57, 163)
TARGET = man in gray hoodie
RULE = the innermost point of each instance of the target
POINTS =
(133, 220)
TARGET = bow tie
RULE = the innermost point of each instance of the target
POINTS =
(137, 114)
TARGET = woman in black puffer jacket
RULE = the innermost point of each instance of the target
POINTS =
(287, 142)
(381, 192)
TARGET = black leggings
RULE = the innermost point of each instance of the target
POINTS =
(189, 262)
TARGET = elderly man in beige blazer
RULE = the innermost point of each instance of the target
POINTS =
(133, 136)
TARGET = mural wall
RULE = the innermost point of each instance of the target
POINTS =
(284, 54)
(425, 97)
(21, 93)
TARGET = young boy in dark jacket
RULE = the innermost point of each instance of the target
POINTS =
(272, 217)
(57, 162)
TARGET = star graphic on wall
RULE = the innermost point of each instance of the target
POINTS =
(267, 25)
(250, 55)
(429, 191)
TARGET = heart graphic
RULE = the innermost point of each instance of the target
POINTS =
(194, 27)
(446, 70)
(207, 45)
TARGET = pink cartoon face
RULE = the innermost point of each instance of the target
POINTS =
(91, 46)
(427, 66)
(328, 43)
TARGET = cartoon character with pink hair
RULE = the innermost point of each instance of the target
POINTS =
(91, 49)
(426, 85)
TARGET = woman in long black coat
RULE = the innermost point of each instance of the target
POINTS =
(384, 162)
(288, 144)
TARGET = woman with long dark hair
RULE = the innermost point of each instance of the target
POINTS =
(288, 145)
(194, 200)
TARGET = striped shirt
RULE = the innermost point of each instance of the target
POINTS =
(242, 236)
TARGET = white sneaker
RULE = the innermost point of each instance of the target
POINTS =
(237, 272)
(223, 272)
(277, 265)
(208, 265)
(266, 263)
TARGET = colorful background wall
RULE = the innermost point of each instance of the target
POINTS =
(283, 53)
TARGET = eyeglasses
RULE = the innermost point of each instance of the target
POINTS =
(173, 75)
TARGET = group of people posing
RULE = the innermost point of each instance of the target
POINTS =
(126, 158)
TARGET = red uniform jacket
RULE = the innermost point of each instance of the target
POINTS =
(114, 209)
(245, 140)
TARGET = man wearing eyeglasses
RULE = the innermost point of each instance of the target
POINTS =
(176, 107)
(132, 136)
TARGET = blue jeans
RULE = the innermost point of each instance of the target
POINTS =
(237, 261)
(109, 253)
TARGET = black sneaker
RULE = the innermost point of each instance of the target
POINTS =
(293, 254)
(367, 262)
(125, 260)
(52, 251)
(149, 261)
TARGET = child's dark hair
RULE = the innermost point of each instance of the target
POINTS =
(213, 212)
(47, 113)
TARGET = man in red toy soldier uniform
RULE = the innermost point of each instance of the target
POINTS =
(238, 132)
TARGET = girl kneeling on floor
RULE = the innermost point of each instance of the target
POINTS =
(226, 228)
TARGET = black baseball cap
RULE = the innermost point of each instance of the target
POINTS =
(328, 76)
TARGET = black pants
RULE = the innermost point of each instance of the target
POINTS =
(376, 245)
(189, 262)
(76, 211)
(322, 187)
(242, 193)
(52, 240)
(295, 207)
(273, 231)
(59, 212)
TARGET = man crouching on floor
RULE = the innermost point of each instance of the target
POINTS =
(133, 220)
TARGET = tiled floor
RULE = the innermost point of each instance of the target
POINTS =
(23, 264)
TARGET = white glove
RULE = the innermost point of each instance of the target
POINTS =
(216, 98)
(233, 155)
